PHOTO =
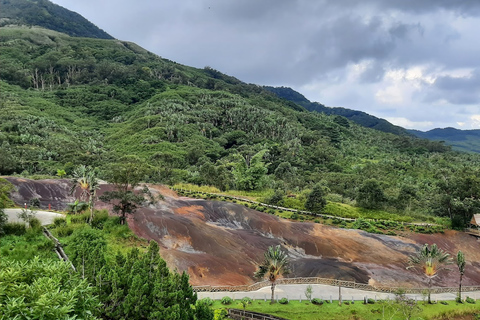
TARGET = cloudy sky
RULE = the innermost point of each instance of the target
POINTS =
(415, 63)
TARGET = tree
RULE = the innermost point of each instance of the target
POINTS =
(431, 260)
(315, 199)
(125, 176)
(3, 219)
(460, 261)
(86, 179)
(370, 195)
(274, 265)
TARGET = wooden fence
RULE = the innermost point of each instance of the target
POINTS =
(332, 282)
(321, 215)
(249, 315)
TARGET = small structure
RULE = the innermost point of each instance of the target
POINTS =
(474, 228)
(475, 222)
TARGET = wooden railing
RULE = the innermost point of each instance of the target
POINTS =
(249, 315)
(321, 215)
(332, 282)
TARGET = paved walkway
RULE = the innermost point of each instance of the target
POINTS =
(45, 217)
(325, 292)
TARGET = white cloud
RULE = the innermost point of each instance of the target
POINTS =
(409, 124)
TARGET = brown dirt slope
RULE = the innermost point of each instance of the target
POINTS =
(221, 243)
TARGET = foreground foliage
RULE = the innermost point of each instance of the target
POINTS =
(44, 290)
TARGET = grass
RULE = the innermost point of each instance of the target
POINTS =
(308, 311)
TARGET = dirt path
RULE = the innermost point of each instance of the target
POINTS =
(45, 217)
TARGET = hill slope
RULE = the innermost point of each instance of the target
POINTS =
(69, 101)
(360, 117)
(46, 14)
(461, 140)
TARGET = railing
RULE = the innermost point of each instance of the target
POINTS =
(249, 315)
(321, 215)
(332, 282)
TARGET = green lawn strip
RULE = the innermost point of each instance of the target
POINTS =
(308, 311)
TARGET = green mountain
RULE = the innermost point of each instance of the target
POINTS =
(46, 14)
(461, 140)
(360, 117)
(68, 101)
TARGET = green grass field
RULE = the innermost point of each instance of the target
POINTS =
(296, 310)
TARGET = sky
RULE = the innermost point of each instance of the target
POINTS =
(415, 63)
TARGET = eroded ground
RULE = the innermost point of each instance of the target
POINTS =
(221, 243)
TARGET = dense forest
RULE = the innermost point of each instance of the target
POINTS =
(70, 101)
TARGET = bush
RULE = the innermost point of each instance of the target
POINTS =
(206, 301)
(317, 301)
(35, 223)
(226, 300)
(261, 209)
(58, 222)
(64, 230)
(80, 218)
(99, 219)
(271, 211)
(370, 301)
(470, 300)
(445, 303)
(283, 301)
(15, 228)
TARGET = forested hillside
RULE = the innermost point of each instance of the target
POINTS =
(48, 15)
(461, 140)
(360, 117)
(69, 101)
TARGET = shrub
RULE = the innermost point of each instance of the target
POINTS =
(207, 301)
(283, 301)
(15, 228)
(445, 303)
(35, 223)
(226, 300)
(271, 211)
(99, 219)
(470, 300)
(80, 218)
(370, 301)
(317, 301)
(261, 209)
(58, 222)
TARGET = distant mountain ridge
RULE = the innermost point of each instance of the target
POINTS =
(460, 140)
(359, 117)
(46, 14)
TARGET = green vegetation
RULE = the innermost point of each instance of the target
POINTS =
(48, 15)
(117, 276)
(274, 265)
(430, 260)
(461, 140)
(68, 102)
(388, 309)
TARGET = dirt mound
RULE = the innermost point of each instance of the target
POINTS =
(221, 243)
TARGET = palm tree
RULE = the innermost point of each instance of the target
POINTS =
(86, 179)
(274, 265)
(461, 268)
(431, 260)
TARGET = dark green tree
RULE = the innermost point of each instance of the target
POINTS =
(370, 195)
(460, 261)
(125, 176)
(316, 199)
